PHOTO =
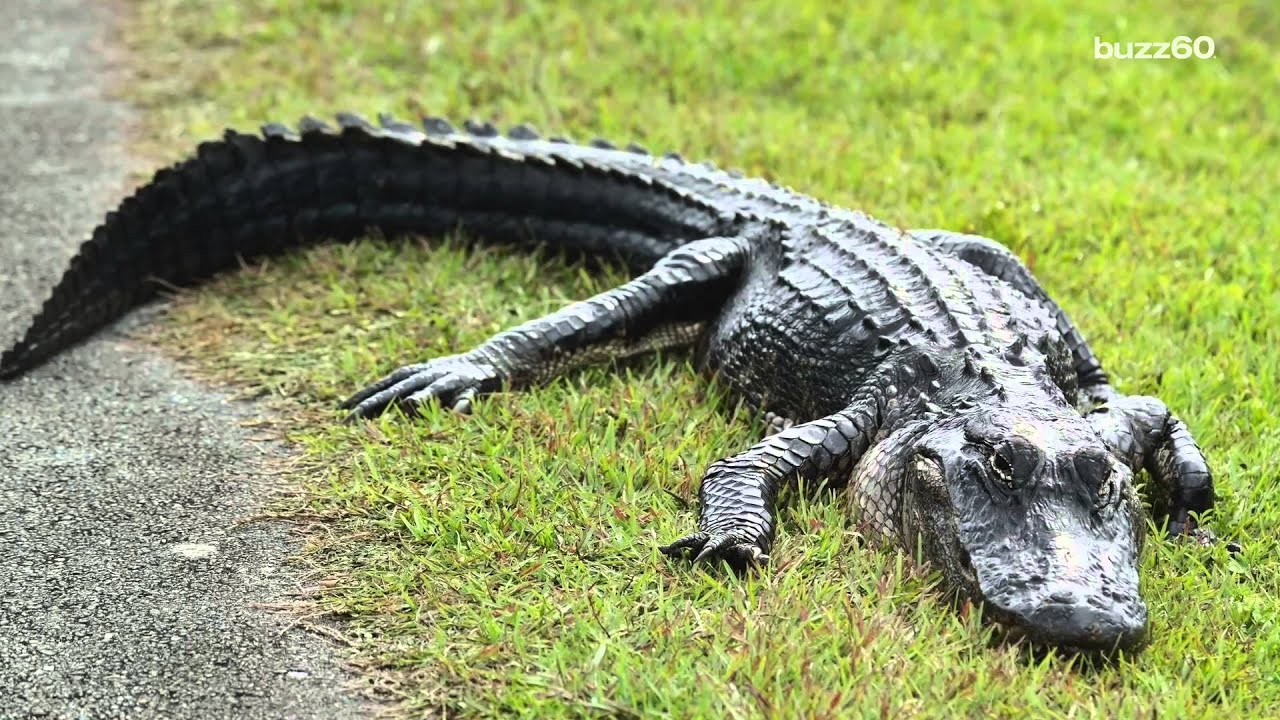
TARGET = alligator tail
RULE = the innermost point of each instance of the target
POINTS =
(249, 196)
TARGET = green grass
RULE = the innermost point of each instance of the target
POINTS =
(506, 563)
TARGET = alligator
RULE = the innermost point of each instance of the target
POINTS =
(925, 372)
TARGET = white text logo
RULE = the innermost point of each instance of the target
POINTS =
(1182, 48)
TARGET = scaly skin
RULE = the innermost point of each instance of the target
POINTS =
(927, 371)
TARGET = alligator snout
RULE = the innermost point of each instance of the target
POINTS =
(1085, 625)
(1076, 621)
(1090, 603)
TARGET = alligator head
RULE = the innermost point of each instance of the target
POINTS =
(1024, 511)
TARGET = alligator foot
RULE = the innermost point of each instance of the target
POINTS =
(453, 381)
(1204, 537)
(731, 544)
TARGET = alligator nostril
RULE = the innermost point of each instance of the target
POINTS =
(1065, 597)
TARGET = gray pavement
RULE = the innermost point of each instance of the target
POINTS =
(128, 577)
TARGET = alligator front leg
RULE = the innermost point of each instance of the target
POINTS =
(737, 496)
(664, 307)
(1142, 433)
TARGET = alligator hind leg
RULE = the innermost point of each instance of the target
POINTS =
(664, 307)
(1142, 433)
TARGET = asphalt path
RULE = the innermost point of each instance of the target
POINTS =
(131, 584)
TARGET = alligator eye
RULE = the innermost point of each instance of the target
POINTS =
(1107, 488)
(1003, 468)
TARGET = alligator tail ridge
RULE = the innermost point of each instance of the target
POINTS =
(248, 196)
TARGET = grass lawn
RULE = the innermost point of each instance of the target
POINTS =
(506, 564)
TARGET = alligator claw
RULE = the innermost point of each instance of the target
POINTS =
(381, 385)
(729, 546)
(1204, 537)
(688, 542)
(453, 381)
(463, 405)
